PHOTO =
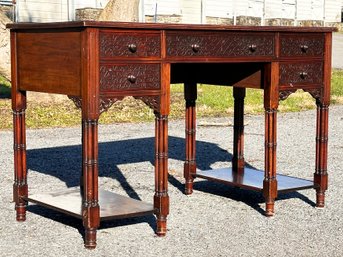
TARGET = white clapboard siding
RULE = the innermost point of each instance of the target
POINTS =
(333, 11)
(240, 7)
(317, 10)
(191, 11)
(304, 10)
(218, 8)
(273, 9)
(288, 9)
(255, 8)
(42, 10)
(164, 7)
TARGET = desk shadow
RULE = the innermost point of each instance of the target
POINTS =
(65, 162)
(55, 161)
(77, 223)
(251, 198)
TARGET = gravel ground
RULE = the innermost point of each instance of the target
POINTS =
(216, 220)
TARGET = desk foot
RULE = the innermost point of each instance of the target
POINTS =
(269, 208)
(90, 238)
(189, 171)
(21, 213)
(189, 187)
(20, 203)
(161, 230)
(320, 202)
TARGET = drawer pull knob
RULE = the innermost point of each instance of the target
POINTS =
(132, 48)
(131, 78)
(303, 75)
(195, 48)
(304, 48)
(252, 48)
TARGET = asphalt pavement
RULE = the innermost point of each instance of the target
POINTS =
(216, 220)
(337, 50)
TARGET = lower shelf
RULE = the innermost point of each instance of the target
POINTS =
(253, 179)
(112, 206)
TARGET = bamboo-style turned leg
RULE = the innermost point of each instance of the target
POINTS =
(190, 91)
(321, 175)
(238, 133)
(270, 183)
(90, 205)
(20, 189)
(161, 198)
(271, 103)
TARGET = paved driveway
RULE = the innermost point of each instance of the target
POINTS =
(337, 53)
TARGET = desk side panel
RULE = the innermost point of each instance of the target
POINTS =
(50, 62)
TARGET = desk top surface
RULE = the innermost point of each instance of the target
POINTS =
(162, 26)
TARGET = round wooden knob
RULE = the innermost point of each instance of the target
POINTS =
(195, 48)
(132, 48)
(252, 48)
(303, 75)
(304, 48)
(131, 78)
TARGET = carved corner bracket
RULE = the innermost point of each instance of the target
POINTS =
(283, 95)
(152, 101)
(104, 104)
(316, 93)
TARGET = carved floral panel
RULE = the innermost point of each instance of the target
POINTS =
(296, 45)
(129, 45)
(220, 44)
(301, 73)
(115, 77)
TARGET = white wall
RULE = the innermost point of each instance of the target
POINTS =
(42, 10)
(164, 7)
(219, 8)
(192, 11)
(332, 10)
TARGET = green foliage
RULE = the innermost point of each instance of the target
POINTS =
(212, 101)
(5, 88)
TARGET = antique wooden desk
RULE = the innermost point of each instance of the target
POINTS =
(98, 63)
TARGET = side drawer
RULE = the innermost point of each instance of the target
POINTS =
(301, 73)
(121, 44)
(220, 44)
(119, 77)
(302, 45)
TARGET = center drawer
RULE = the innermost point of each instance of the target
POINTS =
(220, 44)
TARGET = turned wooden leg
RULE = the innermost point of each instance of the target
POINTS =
(271, 102)
(90, 205)
(20, 190)
(161, 198)
(270, 183)
(321, 175)
(238, 131)
(190, 91)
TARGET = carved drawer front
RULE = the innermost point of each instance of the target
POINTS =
(114, 77)
(129, 45)
(301, 45)
(292, 74)
(220, 44)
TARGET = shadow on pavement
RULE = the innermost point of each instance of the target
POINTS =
(56, 161)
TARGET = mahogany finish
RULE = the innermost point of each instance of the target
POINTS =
(99, 63)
